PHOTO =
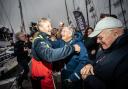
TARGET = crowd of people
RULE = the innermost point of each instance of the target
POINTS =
(97, 59)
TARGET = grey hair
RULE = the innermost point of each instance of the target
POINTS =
(18, 34)
(72, 30)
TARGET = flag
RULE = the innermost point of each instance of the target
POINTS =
(80, 20)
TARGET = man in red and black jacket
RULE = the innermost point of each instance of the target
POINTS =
(43, 52)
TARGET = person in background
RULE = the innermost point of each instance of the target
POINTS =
(56, 43)
(28, 45)
(110, 70)
(61, 24)
(54, 34)
(90, 43)
(71, 78)
(43, 55)
(21, 52)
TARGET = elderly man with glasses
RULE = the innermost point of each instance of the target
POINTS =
(110, 70)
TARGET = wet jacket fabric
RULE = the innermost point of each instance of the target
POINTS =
(111, 66)
(49, 54)
(91, 45)
(42, 51)
(22, 56)
(76, 61)
(19, 51)
(22, 59)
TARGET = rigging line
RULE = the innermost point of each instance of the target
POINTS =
(86, 4)
(21, 14)
(95, 11)
(71, 15)
(73, 4)
(26, 14)
(67, 12)
(110, 11)
(92, 11)
(72, 18)
(123, 13)
(7, 16)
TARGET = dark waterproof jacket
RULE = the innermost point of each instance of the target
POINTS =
(111, 66)
(76, 60)
(91, 45)
(22, 56)
(42, 50)
(43, 55)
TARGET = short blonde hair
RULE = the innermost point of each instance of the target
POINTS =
(41, 20)
(18, 34)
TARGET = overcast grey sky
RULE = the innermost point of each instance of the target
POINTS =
(52, 9)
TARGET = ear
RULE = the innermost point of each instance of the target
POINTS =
(71, 34)
(116, 33)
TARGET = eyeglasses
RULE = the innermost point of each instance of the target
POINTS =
(99, 38)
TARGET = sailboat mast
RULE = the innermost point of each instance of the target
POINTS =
(110, 7)
(22, 20)
(67, 12)
(123, 13)
(86, 2)
(74, 5)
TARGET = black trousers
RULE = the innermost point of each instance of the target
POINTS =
(92, 82)
(69, 85)
(22, 66)
(36, 83)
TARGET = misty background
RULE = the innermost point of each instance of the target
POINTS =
(55, 11)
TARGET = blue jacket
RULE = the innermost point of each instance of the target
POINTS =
(76, 61)
(42, 49)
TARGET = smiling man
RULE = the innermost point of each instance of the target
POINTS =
(43, 55)
(71, 78)
(110, 71)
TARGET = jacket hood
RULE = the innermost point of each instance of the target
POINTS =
(77, 38)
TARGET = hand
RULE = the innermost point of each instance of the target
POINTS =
(25, 49)
(87, 70)
(77, 48)
(84, 76)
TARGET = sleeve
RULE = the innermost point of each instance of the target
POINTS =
(57, 44)
(83, 60)
(49, 54)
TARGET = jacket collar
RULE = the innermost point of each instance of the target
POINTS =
(44, 35)
(76, 38)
